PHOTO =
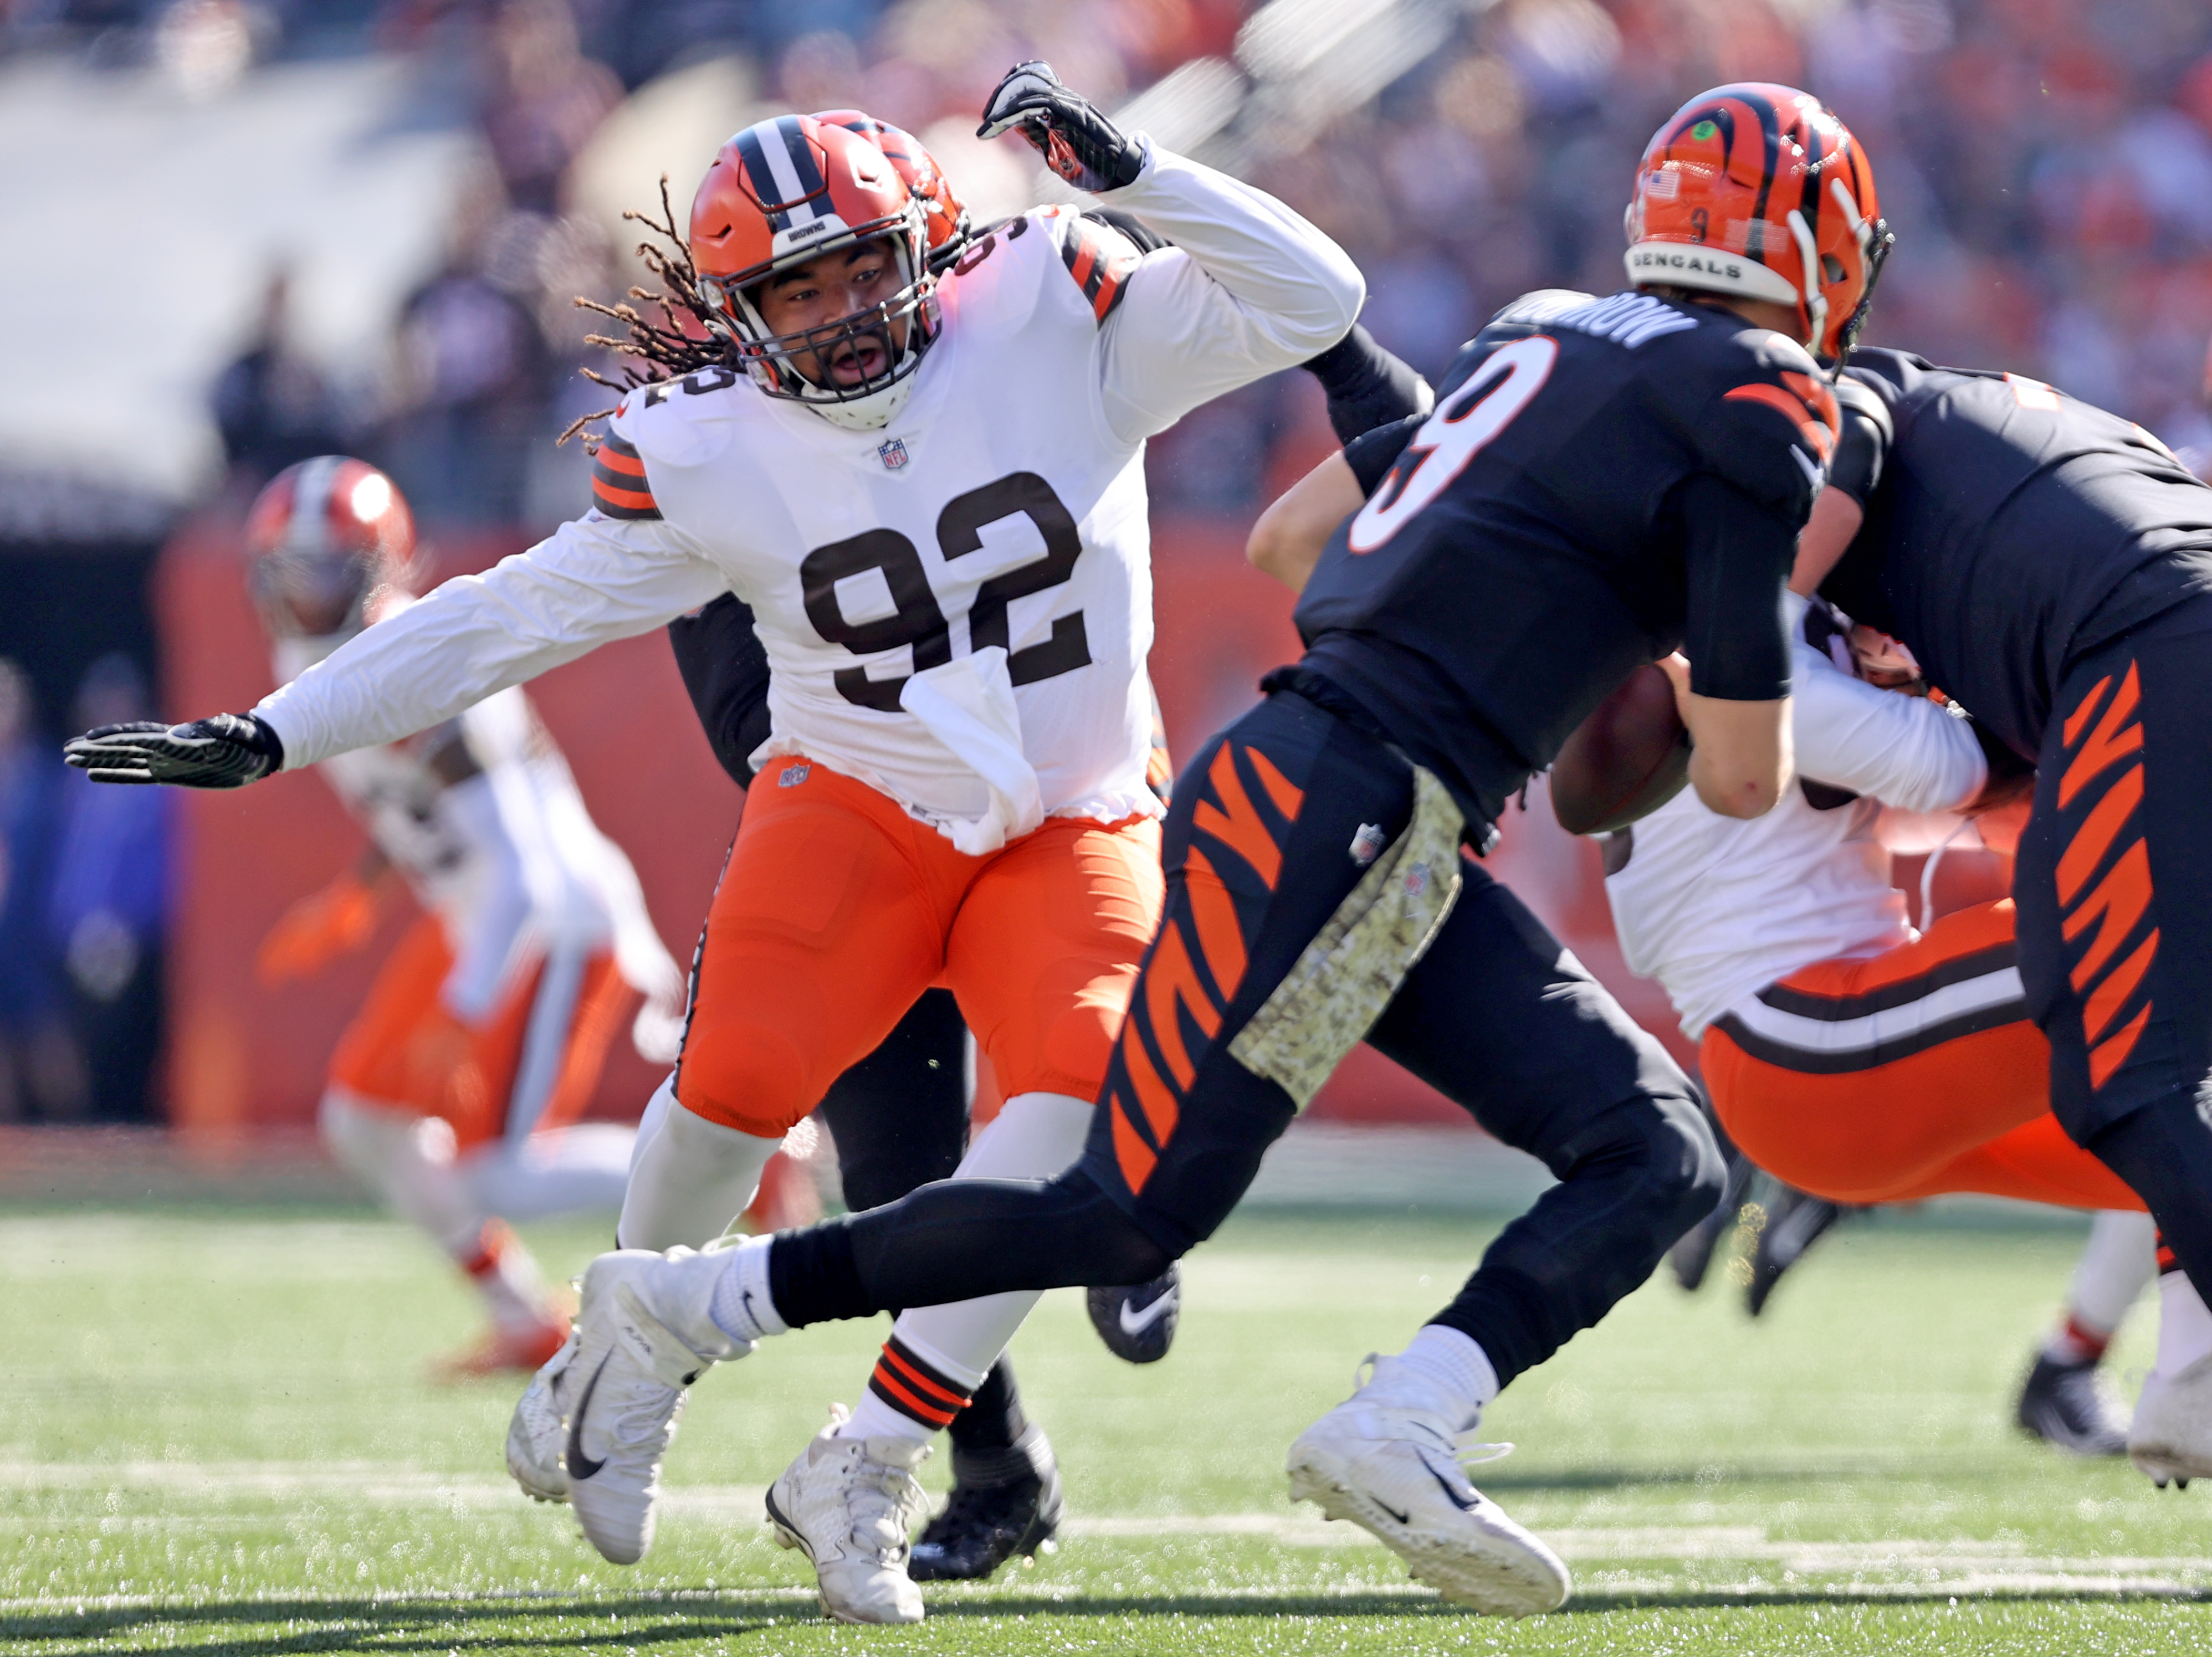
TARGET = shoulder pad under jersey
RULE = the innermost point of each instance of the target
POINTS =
(1099, 258)
(681, 422)
(1535, 309)
(1757, 408)
(1532, 312)
(1863, 443)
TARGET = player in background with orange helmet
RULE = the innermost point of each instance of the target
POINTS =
(453, 1093)
(930, 491)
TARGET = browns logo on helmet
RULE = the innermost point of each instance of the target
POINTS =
(949, 225)
(1760, 191)
(326, 537)
(784, 192)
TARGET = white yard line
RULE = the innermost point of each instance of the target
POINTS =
(1906, 1564)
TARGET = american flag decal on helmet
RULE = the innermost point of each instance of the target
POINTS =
(784, 176)
(618, 485)
(1100, 258)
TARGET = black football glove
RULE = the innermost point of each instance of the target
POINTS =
(228, 751)
(1076, 141)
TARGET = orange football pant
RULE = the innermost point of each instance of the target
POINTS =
(837, 909)
(403, 1048)
(1928, 1112)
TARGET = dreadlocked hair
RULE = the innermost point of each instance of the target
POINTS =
(662, 348)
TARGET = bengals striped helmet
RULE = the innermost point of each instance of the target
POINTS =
(1760, 191)
(788, 190)
(948, 224)
(325, 536)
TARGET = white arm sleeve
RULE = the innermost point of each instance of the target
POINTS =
(1903, 751)
(1249, 287)
(592, 581)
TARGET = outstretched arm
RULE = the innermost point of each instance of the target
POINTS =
(593, 580)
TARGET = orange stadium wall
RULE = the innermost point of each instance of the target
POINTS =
(244, 1057)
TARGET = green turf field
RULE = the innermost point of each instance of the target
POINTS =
(214, 1435)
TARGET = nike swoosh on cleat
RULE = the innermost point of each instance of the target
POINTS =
(579, 1465)
(1151, 1316)
(1445, 1484)
(1405, 1518)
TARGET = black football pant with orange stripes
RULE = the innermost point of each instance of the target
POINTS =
(2114, 891)
(899, 1119)
(1268, 836)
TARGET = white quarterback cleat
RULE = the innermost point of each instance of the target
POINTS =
(851, 1505)
(2171, 1438)
(1396, 1473)
(594, 1422)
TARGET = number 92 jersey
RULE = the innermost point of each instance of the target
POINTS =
(998, 508)
(1601, 482)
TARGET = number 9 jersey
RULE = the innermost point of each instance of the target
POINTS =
(1601, 482)
(956, 606)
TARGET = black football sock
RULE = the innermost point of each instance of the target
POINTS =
(959, 1239)
(993, 1418)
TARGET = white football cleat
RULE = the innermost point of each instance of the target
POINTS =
(612, 1396)
(851, 1505)
(2171, 1437)
(534, 1432)
(1396, 1473)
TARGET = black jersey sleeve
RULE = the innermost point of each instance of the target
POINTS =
(1864, 444)
(725, 669)
(1737, 555)
(1764, 419)
(1371, 454)
(1366, 385)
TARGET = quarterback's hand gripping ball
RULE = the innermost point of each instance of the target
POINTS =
(1077, 143)
(228, 751)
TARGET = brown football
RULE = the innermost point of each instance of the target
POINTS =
(1625, 761)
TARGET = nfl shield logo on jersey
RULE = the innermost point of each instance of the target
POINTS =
(892, 454)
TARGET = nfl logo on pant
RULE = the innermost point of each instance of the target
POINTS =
(892, 454)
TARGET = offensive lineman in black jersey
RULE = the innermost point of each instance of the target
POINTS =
(1601, 482)
(2050, 565)
(899, 1118)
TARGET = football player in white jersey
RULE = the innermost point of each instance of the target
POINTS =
(453, 1093)
(931, 493)
(1852, 1056)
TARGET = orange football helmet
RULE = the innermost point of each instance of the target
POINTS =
(949, 225)
(325, 536)
(789, 190)
(1760, 191)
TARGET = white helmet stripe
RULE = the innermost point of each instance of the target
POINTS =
(308, 530)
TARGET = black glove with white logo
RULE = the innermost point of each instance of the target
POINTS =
(228, 751)
(1076, 141)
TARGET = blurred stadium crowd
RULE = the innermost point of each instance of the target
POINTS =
(2047, 165)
